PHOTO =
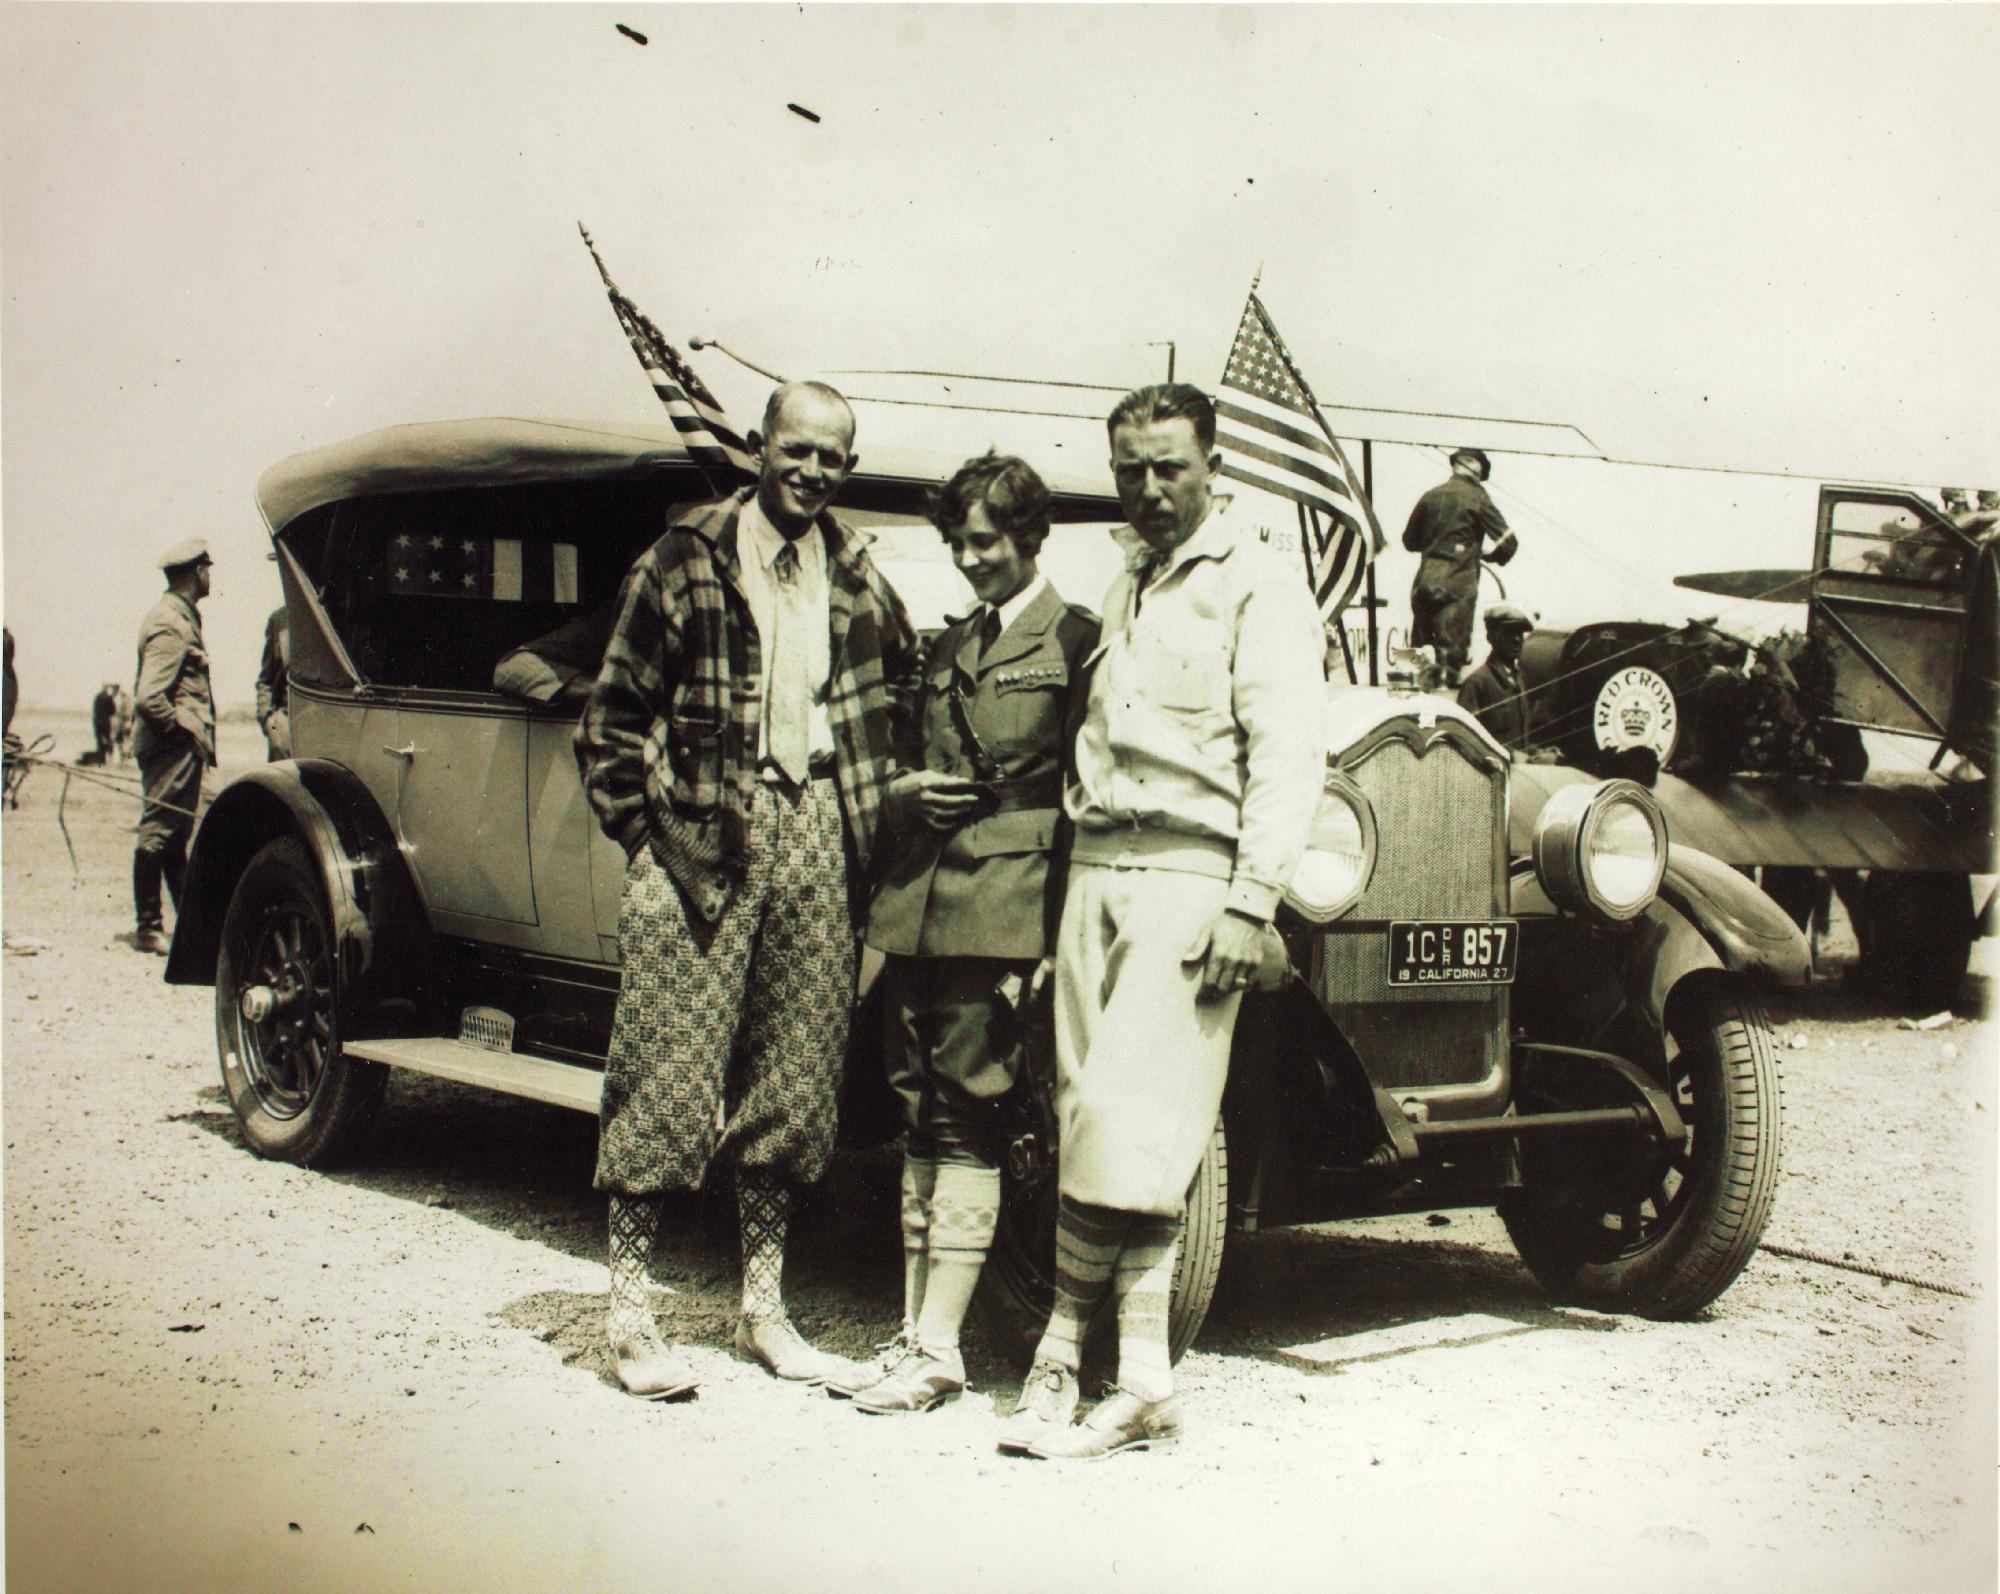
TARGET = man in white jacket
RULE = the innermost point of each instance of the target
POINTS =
(1198, 768)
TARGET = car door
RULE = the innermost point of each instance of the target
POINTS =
(462, 807)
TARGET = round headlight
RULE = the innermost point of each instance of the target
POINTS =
(1339, 856)
(1601, 849)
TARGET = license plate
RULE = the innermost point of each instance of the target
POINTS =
(1452, 951)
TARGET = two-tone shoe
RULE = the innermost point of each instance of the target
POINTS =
(1047, 1403)
(647, 1370)
(1121, 1421)
(888, 1355)
(781, 1350)
(919, 1382)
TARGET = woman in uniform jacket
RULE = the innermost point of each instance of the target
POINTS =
(968, 900)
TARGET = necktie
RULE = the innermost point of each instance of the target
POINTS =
(989, 632)
(788, 684)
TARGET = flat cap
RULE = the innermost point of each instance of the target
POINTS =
(1477, 457)
(1500, 614)
(188, 551)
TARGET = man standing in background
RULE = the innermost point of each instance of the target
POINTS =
(175, 739)
(1450, 527)
(1493, 692)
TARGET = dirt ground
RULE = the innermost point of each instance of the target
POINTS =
(223, 1373)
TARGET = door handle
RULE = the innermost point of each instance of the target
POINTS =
(409, 751)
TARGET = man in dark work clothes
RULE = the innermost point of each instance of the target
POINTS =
(1493, 692)
(1450, 527)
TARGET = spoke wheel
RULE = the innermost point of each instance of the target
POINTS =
(1017, 1286)
(1663, 1236)
(277, 1015)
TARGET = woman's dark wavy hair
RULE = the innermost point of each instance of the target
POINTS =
(1016, 499)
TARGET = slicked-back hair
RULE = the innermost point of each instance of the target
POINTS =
(784, 392)
(1167, 401)
(1014, 495)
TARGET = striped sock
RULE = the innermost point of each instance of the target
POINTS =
(763, 1211)
(1087, 1240)
(920, 1176)
(1143, 1283)
(963, 1217)
(635, 1221)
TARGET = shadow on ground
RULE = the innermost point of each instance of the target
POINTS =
(524, 1170)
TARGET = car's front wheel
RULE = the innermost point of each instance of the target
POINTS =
(1667, 1244)
(1017, 1287)
(277, 1015)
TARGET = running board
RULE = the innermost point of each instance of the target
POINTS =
(510, 1073)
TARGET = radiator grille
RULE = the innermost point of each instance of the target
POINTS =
(1440, 826)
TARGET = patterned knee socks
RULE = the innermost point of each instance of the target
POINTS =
(964, 1212)
(763, 1211)
(919, 1185)
(1087, 1242)
(635, 1221)
(1143, 1284)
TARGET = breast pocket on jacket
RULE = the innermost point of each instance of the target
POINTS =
(1185, 679)
(694, 763)
(1028, 703)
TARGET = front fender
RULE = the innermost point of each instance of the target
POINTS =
(1751, 934)
(1610, 986)
(381, 932)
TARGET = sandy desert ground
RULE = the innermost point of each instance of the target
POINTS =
(224, 1373)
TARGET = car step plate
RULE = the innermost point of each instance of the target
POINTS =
(1453, 951)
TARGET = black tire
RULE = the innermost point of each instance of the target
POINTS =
(1801, 892)
(1916, 933)
(1667, 1244)
(1017, 1285)
(298, 1097)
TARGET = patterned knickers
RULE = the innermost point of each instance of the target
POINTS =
(732, 1035)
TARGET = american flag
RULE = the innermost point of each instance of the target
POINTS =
(506, 569)
(715, 446)
(1272, 437)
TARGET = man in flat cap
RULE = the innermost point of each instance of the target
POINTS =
(1450, 526)
(1493, 692)
(175, 737)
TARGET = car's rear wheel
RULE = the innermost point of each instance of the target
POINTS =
(298, 1097)
(1915, 932)
(1017, 1287)
(1666, 1243)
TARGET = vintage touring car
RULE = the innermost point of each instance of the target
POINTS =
(1563, 1022)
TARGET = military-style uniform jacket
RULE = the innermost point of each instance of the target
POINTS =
(172, 697)
(989, 888)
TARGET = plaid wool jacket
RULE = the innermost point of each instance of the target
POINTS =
(668, 741)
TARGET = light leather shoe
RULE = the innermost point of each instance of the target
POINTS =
(647, 1370)
(888, 1356)
(1121, 1421)
(1048, 1401)
(919, 1382)
(153, 940)
(781, 1351)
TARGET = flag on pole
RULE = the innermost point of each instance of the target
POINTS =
(1272, 437)
(716, 447)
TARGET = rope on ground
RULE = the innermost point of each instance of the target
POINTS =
(31, 757)
(1824, 1260)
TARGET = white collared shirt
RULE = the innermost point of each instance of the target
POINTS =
(758, 543)
(1011, 610)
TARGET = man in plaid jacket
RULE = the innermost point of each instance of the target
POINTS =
(737, 744)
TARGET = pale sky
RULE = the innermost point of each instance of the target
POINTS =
(1761, 238)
